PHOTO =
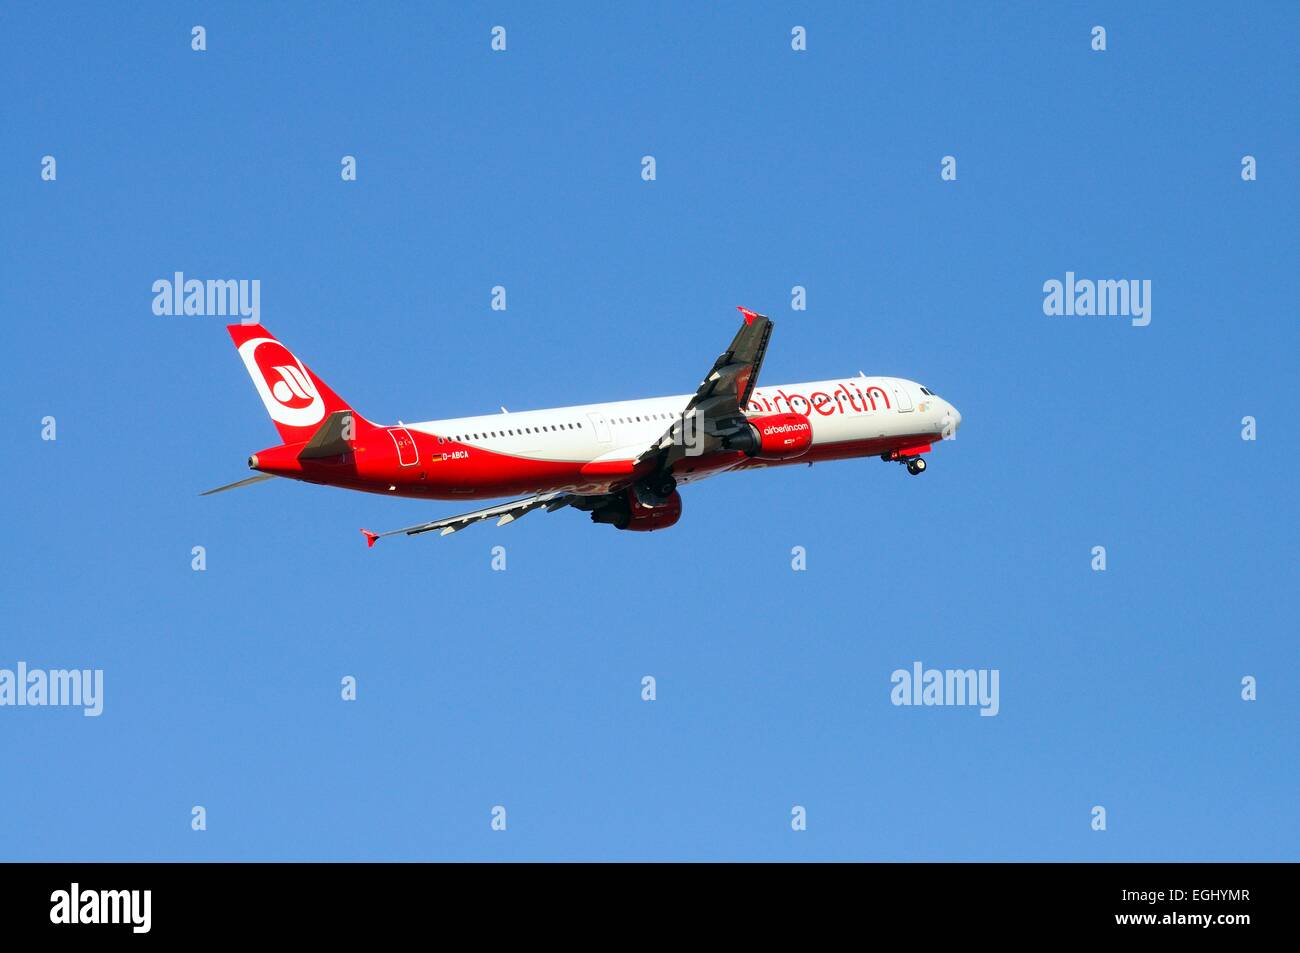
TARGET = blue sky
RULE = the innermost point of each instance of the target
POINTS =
(775, 168)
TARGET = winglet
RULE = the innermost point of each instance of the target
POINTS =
(749, 315)
(370, 538)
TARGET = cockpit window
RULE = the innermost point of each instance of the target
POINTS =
(927, 392)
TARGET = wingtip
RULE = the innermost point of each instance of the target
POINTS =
(370, 538)
(749, 315)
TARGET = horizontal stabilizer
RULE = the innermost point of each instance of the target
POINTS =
(231, 486)
(332, 438)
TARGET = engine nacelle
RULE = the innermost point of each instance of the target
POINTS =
(775, 437)
(647, 519)
(630, 513)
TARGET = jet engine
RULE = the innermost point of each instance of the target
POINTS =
(774, 437)
(626, 511)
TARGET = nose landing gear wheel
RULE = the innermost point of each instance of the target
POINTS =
(916, 466)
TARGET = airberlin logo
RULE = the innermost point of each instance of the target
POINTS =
(292, 389)
(783, 428)
(282, 382)
(849, 393)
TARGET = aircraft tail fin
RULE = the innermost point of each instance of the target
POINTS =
(297, 401)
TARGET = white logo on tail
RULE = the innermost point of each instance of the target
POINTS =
(282, 382)
(293, 383)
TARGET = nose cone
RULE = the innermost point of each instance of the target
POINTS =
(949, 422)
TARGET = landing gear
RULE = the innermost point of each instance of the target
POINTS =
(915, 462)
(616, 514)
(663, 485)
(656, 489)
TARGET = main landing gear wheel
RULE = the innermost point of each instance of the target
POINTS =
(916, 466)
(664, 485)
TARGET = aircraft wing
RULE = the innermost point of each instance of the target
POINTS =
(502, 512)
(714, 413)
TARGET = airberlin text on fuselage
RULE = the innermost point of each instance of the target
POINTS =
(821, 402)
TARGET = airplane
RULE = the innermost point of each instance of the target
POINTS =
(621, 462)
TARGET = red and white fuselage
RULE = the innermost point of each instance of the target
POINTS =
(587, 454)
(588, 448)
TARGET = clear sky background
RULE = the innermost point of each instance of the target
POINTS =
(523, 688)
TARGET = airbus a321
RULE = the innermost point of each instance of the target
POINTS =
(622, 462)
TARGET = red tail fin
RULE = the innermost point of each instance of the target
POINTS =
(297, 400)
